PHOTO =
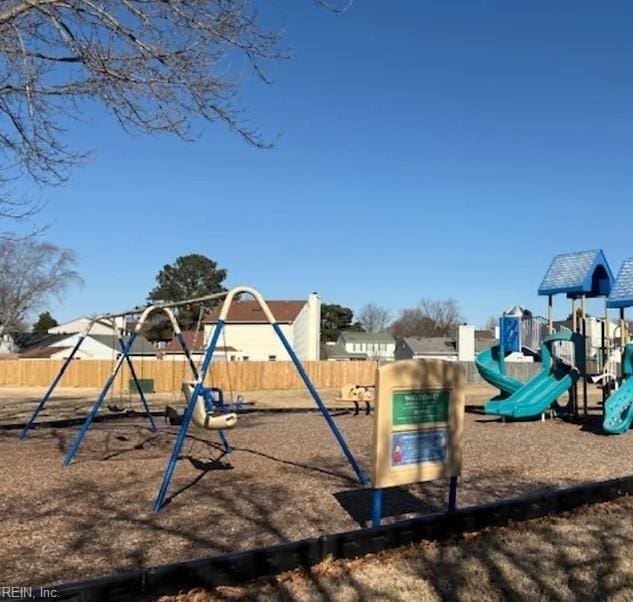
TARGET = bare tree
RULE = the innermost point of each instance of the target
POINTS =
(156, 65)
(31, 272)
(491, 324)
(374, 318)
(431, 318)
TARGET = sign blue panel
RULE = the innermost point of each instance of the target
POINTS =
(416, 447)
(510, 333)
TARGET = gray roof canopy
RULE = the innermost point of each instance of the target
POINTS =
(576, 274)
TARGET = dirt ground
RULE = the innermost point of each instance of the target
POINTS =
(17, 403)
(285, 480)
(582, 556)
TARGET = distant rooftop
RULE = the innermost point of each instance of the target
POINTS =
(353, 336)
(622, 291)
(249, 312)
(576, 274)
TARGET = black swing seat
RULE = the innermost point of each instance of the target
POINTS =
(173, 415)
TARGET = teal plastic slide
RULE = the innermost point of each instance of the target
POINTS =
(488, 364)
(618, 409)
(539, 394)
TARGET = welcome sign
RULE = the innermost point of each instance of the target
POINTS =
(418, 424)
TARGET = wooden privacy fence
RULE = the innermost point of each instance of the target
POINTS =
(169, 374)
(235, 377)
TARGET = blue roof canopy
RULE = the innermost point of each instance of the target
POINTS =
(576, 274)
(622, 291)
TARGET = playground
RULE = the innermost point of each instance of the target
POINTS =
(280, 483)
(222, 475)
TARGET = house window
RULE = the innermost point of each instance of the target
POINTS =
(245, 358)
(232, 358)
(272, 358)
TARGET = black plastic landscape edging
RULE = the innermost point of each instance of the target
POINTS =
(240, 567)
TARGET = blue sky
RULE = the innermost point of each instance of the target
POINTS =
(426, 149)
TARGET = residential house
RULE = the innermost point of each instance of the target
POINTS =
(352, 345)
(196, 345)
(249, 333)
(103, 327)
(463, 347)
(94, 346)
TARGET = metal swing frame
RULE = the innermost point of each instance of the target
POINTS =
(125, 351)
(206, 362)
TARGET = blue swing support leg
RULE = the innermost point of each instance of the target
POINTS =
(317, 399)
(183, 343)
(24, 432)
(139, 389)
(95, 408)
(452, 494)
(184, 427)
(376, 508)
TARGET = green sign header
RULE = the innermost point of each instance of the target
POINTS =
(420, 407)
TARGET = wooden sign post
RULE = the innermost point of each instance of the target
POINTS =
(418, 426)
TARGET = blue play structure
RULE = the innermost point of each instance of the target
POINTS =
(618, 408)
(578, 276)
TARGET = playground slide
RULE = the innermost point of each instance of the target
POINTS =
(488, 365)
(538, 395)
(618, 409)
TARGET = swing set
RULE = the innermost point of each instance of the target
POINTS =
(203, 407)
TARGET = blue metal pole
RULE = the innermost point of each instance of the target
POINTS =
(138, 387)
(376, 511)
(186, 419)
(95, 408)
(313, 392)
(48, 394)
(194, 370)
(452, 494)
(185, 348)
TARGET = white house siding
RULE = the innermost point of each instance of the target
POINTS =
(377, 351)
(258, 342)
(90, 349)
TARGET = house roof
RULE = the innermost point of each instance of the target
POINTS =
(444, 345)
(353, 336)
(140, 346)
(190, 336)
(338, 351)
(42, 352)
(86, 319)
(435, 345)
(174, 347)
(481, 344)
(575, 274)
(622, 292)
(249, 312)
(483, 334)
(32, 340)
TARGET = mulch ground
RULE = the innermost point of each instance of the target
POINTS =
(286, 479)
(585, 555)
